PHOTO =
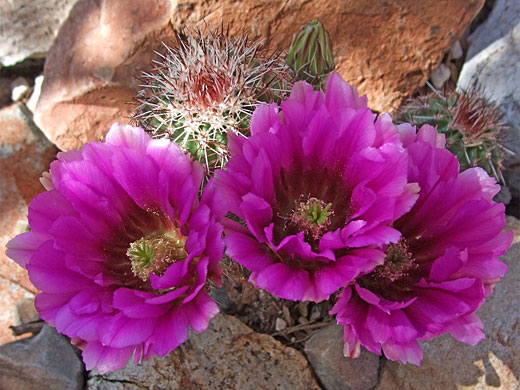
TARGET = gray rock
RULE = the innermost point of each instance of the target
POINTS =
(456, 51)
(229, 355)
(502, 19)
(493, 363)
(497, 70)
(26, 311)
(440, 75)
(28, 27)
(46, 361)
(335, 371)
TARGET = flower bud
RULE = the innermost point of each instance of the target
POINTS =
(310, 55)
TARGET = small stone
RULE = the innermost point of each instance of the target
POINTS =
(46, 361)
(440, 75)
(228, 355)
(26, 311)
(335, 371)
(280, 324)
(504, 196)
(456, 51)
(303, 308)
(287, 315)
(221, 296)
(19, 89)
(37, 90)
(315, 313)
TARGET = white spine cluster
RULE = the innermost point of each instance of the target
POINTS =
(205, 87)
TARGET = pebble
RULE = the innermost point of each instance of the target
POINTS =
(440, 75)
(19, 89)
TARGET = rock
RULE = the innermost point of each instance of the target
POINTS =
(387, 49)
(335, 371)
(90, 70)
(19, 89)
(493, 363)
(456, 51)
(35, 96)
(26, 311)
(46, 361)
(502, 19)
(440, 75)
(497, 70)
(28, 27)
(280, 324)
(24, 155)
(504, 196)
(5, 91)
(229, 355)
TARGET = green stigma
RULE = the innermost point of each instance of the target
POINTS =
(312, 217)
(155, 253)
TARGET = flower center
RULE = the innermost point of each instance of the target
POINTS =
(313, 217)
(398, 262)
(155, 253)
(394, 279)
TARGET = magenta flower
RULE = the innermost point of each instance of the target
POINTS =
(121, 248)
(440, 272)
(317, 187)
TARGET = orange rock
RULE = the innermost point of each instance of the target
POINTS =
(386, 48)
(24, 155)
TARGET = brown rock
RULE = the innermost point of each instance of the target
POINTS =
(386, 48)
(89, 72)
(24, 155)
(229, 355)
(493, 363)
(336, 372)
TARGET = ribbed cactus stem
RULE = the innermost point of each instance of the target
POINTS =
(472, 126)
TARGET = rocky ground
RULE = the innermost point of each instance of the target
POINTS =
(93, 51)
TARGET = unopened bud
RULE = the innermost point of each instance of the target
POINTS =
(310, 55)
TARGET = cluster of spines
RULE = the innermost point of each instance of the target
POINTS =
(472, 126)
(204, 88)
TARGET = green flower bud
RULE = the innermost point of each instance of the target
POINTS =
(310, 55)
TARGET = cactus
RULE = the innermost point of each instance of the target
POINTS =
(472, 126)
(310, 54)
(206, 87)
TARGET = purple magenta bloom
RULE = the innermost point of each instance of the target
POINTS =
(440, 272)
(121, 248)
(317, 187)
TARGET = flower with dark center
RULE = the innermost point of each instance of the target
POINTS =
(316, 188)
(121, 248)
(434, 280)
(206, 88)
